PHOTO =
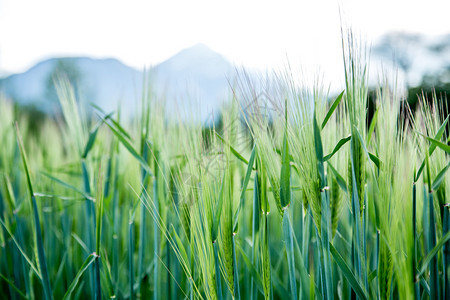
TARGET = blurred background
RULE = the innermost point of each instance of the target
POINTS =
(190, 50)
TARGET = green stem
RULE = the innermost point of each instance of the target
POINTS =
(218, 277)
(326, 229)
(98, 288)
(90, 221)
(156, 243)
(130, 258)
(237, 293)
(414, 256)
(434, 279)
(288, 242)
(41, 254)
(255, 229)
(446, 263)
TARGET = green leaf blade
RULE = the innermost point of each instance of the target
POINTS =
(348, 273)
(332, 108)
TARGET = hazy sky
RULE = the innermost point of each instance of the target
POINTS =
(255, 33)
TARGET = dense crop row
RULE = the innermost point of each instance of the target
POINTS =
(288, 197)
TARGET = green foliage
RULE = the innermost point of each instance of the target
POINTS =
(182, 212)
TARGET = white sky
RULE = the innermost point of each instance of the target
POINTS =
(254, 33)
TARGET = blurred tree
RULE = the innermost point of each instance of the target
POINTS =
(433, 85)
(404, 48)
(35, 116)
(401, 48)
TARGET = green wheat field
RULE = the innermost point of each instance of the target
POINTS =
(289, 196)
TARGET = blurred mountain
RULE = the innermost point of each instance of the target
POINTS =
(194, 79)
(102, 81)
